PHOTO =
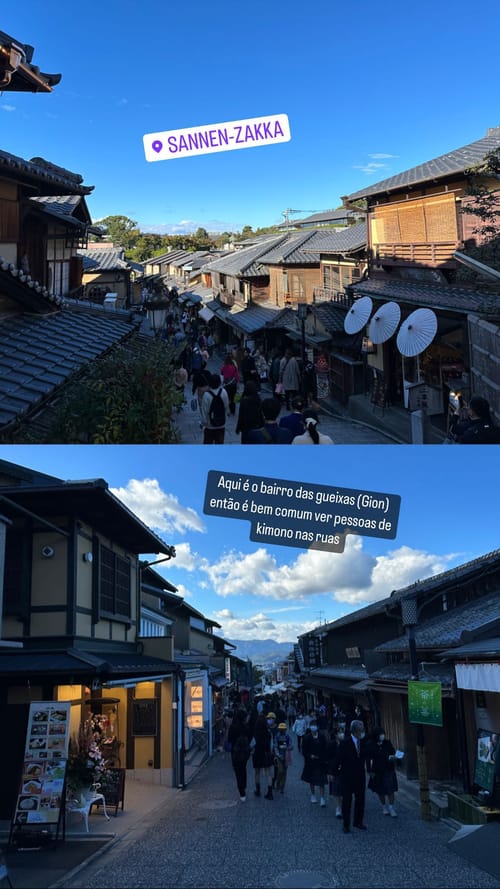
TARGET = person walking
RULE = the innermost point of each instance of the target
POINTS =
(282, 749)
(180, 380)
(311, 435)
(249, 412)
(290, 377)
(262, 757)
(332, 748)
(299, 727)
(269, 432)
(350, 763)
(314, 771)
(249, 369)
(214, 412)
(310, 384)
(294, 421)
(239, 737)
(381, 766)
(201, 382)
(230, 378)
(291, 713)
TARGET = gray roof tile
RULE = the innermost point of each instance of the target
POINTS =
(353, 238)
(445, 629)
(291, 251)
(455, 161)
(245, 262)
(48, 176)
(38, 353)
(438, 296)
(107, 260)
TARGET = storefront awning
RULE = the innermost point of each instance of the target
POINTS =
(206, 314)
(478, 677)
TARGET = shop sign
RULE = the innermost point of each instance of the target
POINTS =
(425, 703)
(484, 768)
(39, 800)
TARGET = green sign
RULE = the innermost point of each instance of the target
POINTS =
(424, 702)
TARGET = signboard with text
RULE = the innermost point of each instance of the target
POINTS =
(425, 703)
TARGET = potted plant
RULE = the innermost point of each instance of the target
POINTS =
(86, 764)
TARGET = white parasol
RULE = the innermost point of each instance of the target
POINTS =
(358, 315)
(417, 332)
(384, 322)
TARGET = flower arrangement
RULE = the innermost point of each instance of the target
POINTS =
(86, 764)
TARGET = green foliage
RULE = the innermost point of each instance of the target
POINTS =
(126, 397)
(146, 246)
(121, 230)
(484, 186)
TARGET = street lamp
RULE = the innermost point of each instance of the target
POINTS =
(409, 617)
(302, 315)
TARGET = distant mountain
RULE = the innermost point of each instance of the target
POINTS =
(262, 651)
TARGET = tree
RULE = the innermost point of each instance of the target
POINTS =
(246, 232)
(201, 234)
(121, 230)
(484, 204)
(147, 245)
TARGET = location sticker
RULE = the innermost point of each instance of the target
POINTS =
(252, 132)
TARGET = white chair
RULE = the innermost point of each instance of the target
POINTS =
(83, 805)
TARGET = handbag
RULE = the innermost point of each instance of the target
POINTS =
(278, 388)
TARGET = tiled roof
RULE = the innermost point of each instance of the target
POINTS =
(445, 629)
(62, 203)
(107, 260)
(442, 673)
(455, 161)
(292, 251)
(252, 319)
(25, 77)
(328, 216)
(25, 290)
(435, 296)
(331, 315)
(428, 585)
(479, 648)
(245, 262)
(353, 238)
(356, 672)
(39, 353)
(43, 173)
(164, 257)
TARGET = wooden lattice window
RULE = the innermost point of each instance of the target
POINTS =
(114, 583)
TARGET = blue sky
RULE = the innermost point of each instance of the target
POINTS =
(370, 90)
(449, 515)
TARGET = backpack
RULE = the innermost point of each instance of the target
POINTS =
(217, 410)
(196, 360)
(241, 749)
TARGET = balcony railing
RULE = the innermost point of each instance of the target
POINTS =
(434, 254)
(323, 294)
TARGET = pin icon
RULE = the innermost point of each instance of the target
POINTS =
(157, 145)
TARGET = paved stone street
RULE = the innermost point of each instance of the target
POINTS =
(205, 837)
(340, 429)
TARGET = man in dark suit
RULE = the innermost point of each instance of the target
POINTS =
(350, 762)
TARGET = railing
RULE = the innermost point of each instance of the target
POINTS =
(323, 294)
(425, 254)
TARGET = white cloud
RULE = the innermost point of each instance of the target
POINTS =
(121, 103)
(369, 168)
(380, 155)
(354, 577)
(184, 558)
(260, 626)
(8, 107)
(157, 509)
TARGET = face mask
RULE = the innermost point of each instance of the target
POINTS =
(362, 736)
(270, 722)
(381, 738)
(314, 729)
(341, 737)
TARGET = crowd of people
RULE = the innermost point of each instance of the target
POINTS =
(341, 756)
(237, 390)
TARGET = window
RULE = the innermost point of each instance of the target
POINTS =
(114, 583)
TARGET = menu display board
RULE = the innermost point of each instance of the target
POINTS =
(41, 786)
(484, 769)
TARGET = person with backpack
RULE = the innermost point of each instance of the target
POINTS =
(214, 411)
(200, 384)
(239, 737)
